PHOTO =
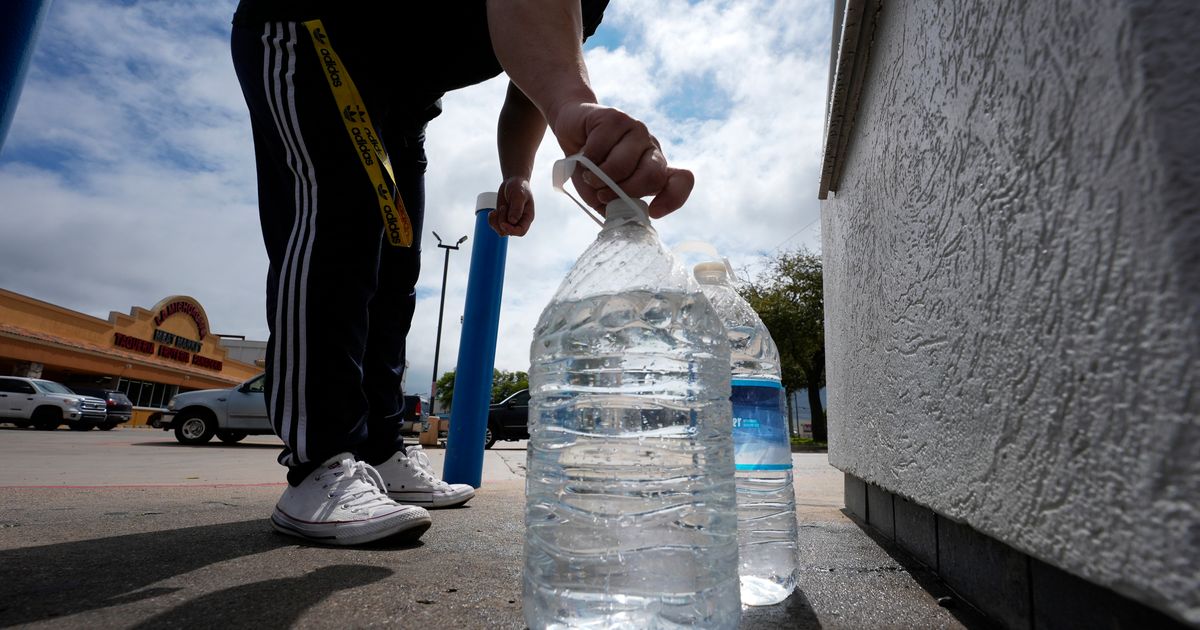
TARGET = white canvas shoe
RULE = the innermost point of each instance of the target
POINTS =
(344, 502)
(410, 479)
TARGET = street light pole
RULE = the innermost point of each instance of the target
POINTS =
(437, 349)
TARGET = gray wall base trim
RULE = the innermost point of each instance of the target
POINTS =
(1014, 590)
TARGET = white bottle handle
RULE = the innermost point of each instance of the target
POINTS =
(703, 247)
(565, 167)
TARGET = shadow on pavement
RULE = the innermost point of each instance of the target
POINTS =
(926, 578)
(257, 605)
(67, 578)
(795, 613)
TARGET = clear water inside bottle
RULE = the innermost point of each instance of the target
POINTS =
(630, 513)
(767, 535)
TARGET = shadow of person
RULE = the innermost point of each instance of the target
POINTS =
(67, 578)
(275, 603)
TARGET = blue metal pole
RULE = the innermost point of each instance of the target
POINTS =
(476, 351)
(20, 21)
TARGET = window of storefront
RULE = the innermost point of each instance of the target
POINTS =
(146, 393)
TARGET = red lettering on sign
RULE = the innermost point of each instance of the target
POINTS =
(133, 343)
(206, 362)
(167, 352)
(187, 308)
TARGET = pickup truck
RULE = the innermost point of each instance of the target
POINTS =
(117, 404)
(228, 414)
(232, 414)
(46, 405)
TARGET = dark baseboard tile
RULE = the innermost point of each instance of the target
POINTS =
(1013, 589)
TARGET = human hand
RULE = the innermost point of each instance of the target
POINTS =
(626, 151)
(514, 207)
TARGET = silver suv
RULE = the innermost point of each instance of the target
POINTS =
(46, 405)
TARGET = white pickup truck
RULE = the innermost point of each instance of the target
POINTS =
(47, 404)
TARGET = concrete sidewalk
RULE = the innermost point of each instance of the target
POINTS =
(125, 529)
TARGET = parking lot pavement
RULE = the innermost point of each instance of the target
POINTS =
(127, 529)
(144, 456)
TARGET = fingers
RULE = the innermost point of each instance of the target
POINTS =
(649, 177)
(588, 190)
(514, 208)
(627, 152)
(494, 215)
(674, 194)
(617, 146)
(631, 156)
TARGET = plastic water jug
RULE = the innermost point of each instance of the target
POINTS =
(762, 448)
(630, 499)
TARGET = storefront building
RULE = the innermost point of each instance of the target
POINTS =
(150, 354)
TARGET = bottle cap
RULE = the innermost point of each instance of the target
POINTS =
(623, 209)
(710, 273)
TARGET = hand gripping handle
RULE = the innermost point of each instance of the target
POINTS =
(564, 168)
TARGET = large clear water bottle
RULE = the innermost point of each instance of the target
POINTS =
(762, 448)
(630, 499)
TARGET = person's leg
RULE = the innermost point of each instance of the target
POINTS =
(323, 231)
(408, 475)
(391, 310)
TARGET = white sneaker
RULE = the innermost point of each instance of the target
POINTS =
(344, 503)
(410, 479)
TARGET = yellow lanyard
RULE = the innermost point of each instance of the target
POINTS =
(371, 153)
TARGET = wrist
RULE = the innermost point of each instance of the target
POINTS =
(571, 100)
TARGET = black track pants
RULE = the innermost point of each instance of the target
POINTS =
(340, 298)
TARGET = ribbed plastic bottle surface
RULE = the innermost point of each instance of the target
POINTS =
(762, 448)
(631, 511)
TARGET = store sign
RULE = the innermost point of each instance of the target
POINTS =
(170, 346)
(187, 307)
(133, 343)
(174, 354)
(183, 343)
(206, 362)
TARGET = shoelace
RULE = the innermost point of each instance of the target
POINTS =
(420, 463)
(361, 486)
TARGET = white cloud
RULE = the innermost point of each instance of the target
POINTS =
(136, 172)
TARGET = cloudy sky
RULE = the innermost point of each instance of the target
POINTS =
(128, 173)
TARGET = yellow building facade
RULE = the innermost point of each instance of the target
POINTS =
(150, 354)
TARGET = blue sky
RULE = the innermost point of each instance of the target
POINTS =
(128, 172)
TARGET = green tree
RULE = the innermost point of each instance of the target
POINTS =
(788, 296)
(504, 384)
(445, 391)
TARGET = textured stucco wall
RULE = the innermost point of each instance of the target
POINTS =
(1012, 271)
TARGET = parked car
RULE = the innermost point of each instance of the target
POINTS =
(47, 404)
(416, 415)
(228, 414)
(508, 419)
(118, 406)
(232, 414)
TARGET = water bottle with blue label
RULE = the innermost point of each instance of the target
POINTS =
(631, 511)
(766, 503)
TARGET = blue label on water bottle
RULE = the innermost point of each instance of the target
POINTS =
(760, 431)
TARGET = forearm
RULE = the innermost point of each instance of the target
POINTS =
(518, 135)
(539, 45)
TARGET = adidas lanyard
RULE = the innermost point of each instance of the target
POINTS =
(371, 153)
